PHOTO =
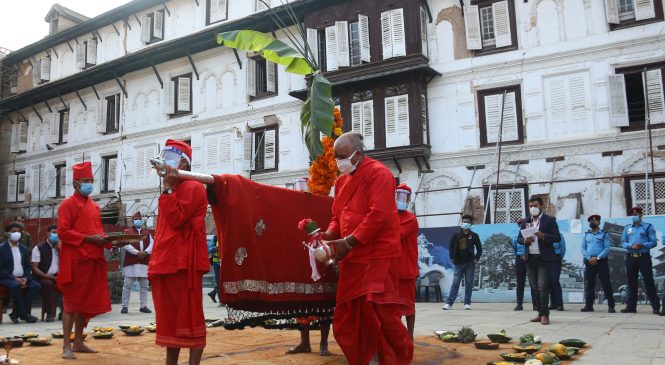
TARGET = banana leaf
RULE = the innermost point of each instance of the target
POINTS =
(269, 48)
(317, 115)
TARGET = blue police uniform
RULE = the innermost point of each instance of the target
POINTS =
(596, 245)
(639, 261)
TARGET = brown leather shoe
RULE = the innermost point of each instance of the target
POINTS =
(545, 320)
(536, 319)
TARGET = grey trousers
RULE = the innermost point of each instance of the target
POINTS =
(127, 289)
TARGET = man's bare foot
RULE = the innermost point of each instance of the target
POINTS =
(300, 349)
(323, 351)
(67, 354)
(83, 349)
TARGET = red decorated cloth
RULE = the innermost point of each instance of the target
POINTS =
(265, 266)
(178, 311)
(82, 278)
(409, 242)
(177, 264)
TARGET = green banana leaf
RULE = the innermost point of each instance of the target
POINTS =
(317, 115)
(269, 48)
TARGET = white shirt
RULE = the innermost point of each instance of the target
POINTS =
(137, 270)
(534, 249)
(18, 265)
(55, 260)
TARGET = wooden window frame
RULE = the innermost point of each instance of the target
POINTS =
(629, 23)
(109, 123)
(226, 17)
(178, 113)
(486, 193)
(151, 15)
(105, 173)
(264, 94)
(513, 27)
(60, 190)
(639, 126)
(255, 153)
(483, 123)
(61, 123)
(627, 179)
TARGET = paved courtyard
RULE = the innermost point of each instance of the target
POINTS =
(636, 339)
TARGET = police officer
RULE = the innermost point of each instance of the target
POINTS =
(595, 249)
(554, 269)
(638, 238)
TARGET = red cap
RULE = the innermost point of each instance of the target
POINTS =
(403, 186)
(635, 210)
(182, 146)
(593, 217)
(82, 171)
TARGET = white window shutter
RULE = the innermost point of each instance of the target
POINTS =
(36, 180)
(169, 97)
(472, 27)
(493, 116)
(644, 9)
(184, 92)
(331, 49)
(53, 119)
(368, 124)
(386, 35)
(146, 27)
(270, 149)
(112, 166)
(271, 77)
(313, 44)
(342, 35)
(363, 35)
(45, 66)
(618, 102)
(14, 145)
(80, 55)
(225, 153)
(69, 188)
(51, 178)
(655, 96)
(398, 32)
(158, 25)
(357, 117)
(423, 32)
(36, 73)
(213, 12)
(12, 182)
(62, 176)
(392, 139)
(20, 187)
(102, 105)
(251, 77)
(510, 122)
(612, 11)
(260, 5)
(248, 152)
(91, 52)
(23, 136)
(403, 120)
(212, 152)
(65, 127)
(502, 32)
(222, 13)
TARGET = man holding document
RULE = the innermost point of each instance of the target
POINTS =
(539, 233)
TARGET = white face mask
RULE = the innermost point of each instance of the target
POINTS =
(15, 236)
(535, 211)
(345, 165)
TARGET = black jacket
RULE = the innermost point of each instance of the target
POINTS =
(550, 229)
(7, 261)
(472, 242)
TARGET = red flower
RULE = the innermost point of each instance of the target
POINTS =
(303, 223)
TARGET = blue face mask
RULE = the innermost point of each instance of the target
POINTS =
(402, 205)
(53, 237)
(87, 188)
(172, 163)
(636, 218)
(466, 225)
(138, 223)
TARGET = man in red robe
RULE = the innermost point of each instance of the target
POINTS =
(367, 313)
(408, 270)
(82, 278)
(179, 259)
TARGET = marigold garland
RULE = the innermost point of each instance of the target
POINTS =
(323, 172)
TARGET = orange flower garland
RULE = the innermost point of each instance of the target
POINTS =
(323, 172)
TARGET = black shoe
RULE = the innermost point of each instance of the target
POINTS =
(124, 310)
(518, 308)
(552, 307)
(50, 318)
(560, 308)
(145, 310)
(14, 319)
(611, 310)
(656, 311)
(628, 310)
(28, 318)
(588, 309)
(662, 313)
(213, 296)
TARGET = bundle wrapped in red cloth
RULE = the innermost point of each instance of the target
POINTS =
(265, 271)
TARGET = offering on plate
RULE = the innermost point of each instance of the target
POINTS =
(120, 239)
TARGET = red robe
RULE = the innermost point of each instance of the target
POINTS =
(367, 314)
(177, 264)
(82, 278)
(408, 261)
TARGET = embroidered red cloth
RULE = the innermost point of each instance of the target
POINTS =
(265, 268)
